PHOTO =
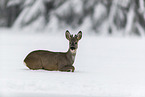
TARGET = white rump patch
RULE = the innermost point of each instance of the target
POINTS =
(25, 63)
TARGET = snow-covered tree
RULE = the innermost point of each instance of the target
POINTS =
(123, 17)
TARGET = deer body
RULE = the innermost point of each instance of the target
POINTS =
(62, 61)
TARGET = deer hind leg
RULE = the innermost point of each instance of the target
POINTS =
(67, 68)
(33, 63)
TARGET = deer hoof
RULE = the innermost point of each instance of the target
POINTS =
(70, 70)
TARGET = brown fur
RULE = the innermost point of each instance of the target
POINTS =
(43, 59)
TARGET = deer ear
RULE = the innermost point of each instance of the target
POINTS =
(67, 35)
(79, 35)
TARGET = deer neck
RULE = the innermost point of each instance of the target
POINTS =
(71, 55)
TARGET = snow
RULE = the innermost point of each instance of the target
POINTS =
(124, 3)
(105, 67)
(141, 30)
(35, 10)
(53, 25)
(14, 2)
(86, 25)
(113, 11)
(77, 6)
(19, 21)
(130, 21)
(30, 13)
(117, 17)
(99, 8)
(63, 10)
(141, 4)
(70, 6)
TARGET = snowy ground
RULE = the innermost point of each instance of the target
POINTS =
(105, 67)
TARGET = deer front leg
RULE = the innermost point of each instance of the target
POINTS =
(67, 68)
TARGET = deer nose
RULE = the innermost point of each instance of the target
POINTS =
(72, 48)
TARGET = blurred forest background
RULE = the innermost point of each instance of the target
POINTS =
(104, 17)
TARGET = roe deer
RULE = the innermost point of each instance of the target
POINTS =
(62, 61)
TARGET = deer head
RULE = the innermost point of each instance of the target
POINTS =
(73, 40)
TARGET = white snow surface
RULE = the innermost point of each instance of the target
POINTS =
(105, 67)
